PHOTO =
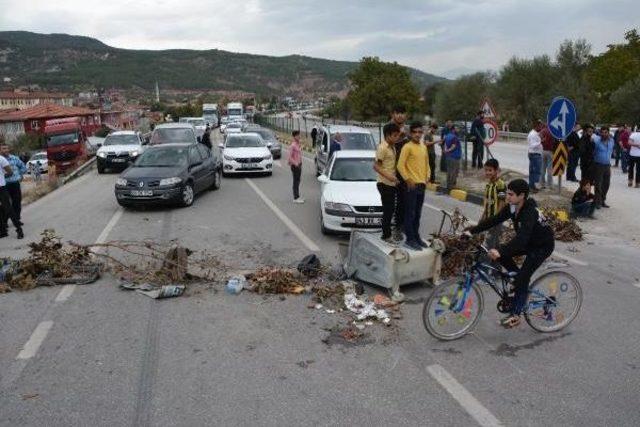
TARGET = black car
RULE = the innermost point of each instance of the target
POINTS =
(170, 174)
(272, 142)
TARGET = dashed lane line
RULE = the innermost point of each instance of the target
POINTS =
(37, 337)
(306, 241)
(469, 403)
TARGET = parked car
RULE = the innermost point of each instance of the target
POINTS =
(41, 157)
(198, 124)
(270, 139)
(169, 174)
(180, 133)
(251, 127)
(234, 127)
(349, 198)
(246, 153)
(118, 150)
(353, 138)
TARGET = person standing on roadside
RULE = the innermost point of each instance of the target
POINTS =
(295, 162)
(453, 153)
(587, 150)
(13, 181)
(603, 145)
(535, 155)
(399, 117)
(495, 193)
(625, 148)
(443, 133)
(335, 145)
(413, 166)
(634, 158)
(573, 143)
(548, 145)
(477, 136)
(430, 142)
(385, 167)
(6, 210)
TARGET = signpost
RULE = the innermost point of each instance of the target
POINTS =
(561, 119)
(487, 109)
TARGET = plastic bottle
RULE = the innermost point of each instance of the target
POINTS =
(236, 284)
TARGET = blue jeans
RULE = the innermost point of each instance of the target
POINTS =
(583, 209)
(535, 168)
(413, 201)
(547, 169)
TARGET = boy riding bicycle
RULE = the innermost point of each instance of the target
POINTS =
(534, 239)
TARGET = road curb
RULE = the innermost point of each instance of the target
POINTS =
(79, 171)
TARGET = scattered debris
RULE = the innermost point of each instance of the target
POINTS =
(30, 396)
(364, 310)
(310, 265)
(236, 284)
(564, 231)
(270, 280)
(304, 364)
(167, 291)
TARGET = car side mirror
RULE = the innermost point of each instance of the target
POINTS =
(323, 179)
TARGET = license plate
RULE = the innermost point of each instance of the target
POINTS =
(118, 160)
(251, 165)
(142, 193)
(368, 221)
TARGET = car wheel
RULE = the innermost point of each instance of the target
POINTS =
(187, 196)
(100, 168)
(217, 180)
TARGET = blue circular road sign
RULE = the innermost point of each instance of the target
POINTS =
(561, 117)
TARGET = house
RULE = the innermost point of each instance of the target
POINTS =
(22, 100)
(32, 120)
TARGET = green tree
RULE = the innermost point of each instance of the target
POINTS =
(572, 60)
(461, 98)
(625, 102)
(378, 86)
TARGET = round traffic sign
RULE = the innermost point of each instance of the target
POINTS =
(490, 131)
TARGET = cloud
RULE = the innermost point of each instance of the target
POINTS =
(432, 35)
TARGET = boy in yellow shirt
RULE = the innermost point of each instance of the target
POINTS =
(413, 166)
(385, 167)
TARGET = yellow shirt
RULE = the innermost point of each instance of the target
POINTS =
(386, 159)
(413, 164)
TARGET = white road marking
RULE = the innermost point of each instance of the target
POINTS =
(37, 337)
(306, 241)
(469, 403)
(67, 290)
(556, 253)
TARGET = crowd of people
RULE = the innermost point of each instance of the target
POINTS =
(12, 170)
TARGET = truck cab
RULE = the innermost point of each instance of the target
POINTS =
(353, 138)
(65, 142)
(210, 115)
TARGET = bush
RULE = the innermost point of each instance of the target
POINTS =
(27, 142)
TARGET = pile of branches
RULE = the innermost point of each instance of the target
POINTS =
(331, 296)
(458, 250)
(564, 231)
(271, 280)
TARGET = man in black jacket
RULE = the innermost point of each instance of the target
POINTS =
(534, 239)
(573, 145)
(587, 154)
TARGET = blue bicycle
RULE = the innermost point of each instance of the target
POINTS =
(455, 306)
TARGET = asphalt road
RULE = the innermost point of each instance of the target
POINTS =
(97, 355)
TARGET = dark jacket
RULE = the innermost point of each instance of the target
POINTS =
(477, 130)
(532, 230)
(573, 140)
(587, 151)
(581, 196)
(206, 140)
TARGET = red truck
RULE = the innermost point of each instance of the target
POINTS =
(66, 143)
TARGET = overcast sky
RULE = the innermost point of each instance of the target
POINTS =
(443, 37)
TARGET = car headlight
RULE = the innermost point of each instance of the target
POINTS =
(134, 153)
(337, 207)
(121, 182)
(102, 154)
(170, 181)
(228, 157)
(268, 156)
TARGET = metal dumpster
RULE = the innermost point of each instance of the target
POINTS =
(374, 261)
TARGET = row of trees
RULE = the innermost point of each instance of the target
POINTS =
(605, 88)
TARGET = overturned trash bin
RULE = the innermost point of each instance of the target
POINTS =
(374, 261)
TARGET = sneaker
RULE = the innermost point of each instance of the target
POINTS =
(299, 200)
(413, 245)
(630, 184)
(397, 235)
(604, 205)
(20, 233)
(422, 243)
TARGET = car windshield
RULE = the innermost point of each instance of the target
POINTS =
(235, 111)
(244, 141)
(168, 135)
(63, 139)
(121, 140)
(163, 157)
(208, 112)
(196, 122)
(265, 134)
(356, 141)
(234, 125)
(353, 170)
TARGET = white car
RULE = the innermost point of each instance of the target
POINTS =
(198, 124)
(246, 153)
(118, 150)
(38, 157)
(349, 198)
(235, 127)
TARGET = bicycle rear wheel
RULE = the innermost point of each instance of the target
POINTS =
(450, 313)
(554, 301)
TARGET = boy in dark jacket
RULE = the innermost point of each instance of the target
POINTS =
(582, 200)
(534, 239)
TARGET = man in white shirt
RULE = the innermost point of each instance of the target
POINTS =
(535, 155)
(6, 211)
(634, 158)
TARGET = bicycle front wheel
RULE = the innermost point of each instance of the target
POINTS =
(554, 301)
(452, 310)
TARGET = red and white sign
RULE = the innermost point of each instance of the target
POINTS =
(490, 131)
(488, 110)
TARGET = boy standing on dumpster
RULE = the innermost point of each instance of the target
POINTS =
(385, 167)
(495, 194)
